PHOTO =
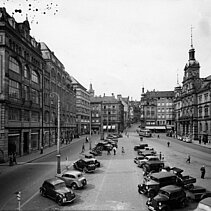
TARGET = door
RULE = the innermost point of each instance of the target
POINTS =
(25, 143)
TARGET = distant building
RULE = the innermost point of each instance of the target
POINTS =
(157, 110)
(193, 102)
(83, 113)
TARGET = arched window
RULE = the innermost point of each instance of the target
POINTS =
(35, 77)
(14, 65)
(26, 72)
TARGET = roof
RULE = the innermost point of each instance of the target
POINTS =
(171, 188)
(54, 181)
(73, 172)
(156, 94)
(162, 174)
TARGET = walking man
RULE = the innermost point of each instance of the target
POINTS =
(14, 158)
(83, 148)
(188, 159)
(168, 143)
(160, 156)
(114, 150)
(203, 171)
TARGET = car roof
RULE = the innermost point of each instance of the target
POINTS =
(152, 156)
(162, 174)
(171, 188)
(73, 172)
(178, 170)
(54, 181)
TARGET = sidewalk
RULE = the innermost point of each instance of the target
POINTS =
(5, 167)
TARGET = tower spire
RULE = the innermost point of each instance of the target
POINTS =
(191, 29)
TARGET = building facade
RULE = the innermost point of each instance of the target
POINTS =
(21, 70)
(58, 87)
(157, 109)
(83, 112)
(193, 102)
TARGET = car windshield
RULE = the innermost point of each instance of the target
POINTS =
(164, 193)
(60, 185)
(90, 162)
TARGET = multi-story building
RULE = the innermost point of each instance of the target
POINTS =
(157, 110)
(57, 86)
(125, 102)
(21, 70)
(83, 113)
(135, 111)
(113, 114)
(29, 74)
(193, 102)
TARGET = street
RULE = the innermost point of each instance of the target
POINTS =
(113, 186)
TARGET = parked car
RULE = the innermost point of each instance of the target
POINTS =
(168, 197)
(95, 152)
(204, 205)
(57, 190)
(197, 193)
(86, 165)
(140, 146)
(96, 162)
(152, 166)
(146, 151)
(89, 155)
(138, 159)
(73, 179)
(155, 181)
(147, 158)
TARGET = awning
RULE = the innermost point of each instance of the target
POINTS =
(156, 127)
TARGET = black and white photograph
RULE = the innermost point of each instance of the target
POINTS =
(105, 105)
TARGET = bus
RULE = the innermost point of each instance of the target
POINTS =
(145, 133)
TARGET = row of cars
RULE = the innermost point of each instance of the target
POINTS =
(61, 187)
(164, 186)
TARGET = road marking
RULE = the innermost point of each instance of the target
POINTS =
(28, 200)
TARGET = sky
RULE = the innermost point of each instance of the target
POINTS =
(121, 46)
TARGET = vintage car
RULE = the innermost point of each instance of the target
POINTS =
(57, 190)
(155, 181)
(197, 193)
(152, 166)
(95, 151)
(140, 146)
(73, 179)
(138, 159)
(168, 197)
(85, 165)
(147, 158)
(146, 152)
(104, 146)
(204, 205)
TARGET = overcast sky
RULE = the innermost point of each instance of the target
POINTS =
(121, 45)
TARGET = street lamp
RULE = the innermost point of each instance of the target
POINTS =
(58, 135)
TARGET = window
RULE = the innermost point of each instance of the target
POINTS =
(26, 116)
(13, 65)
(35, 77)
(200, 98)
(206, 97)
(26, 93)
(26, 72)
(14, 114)
(200, 111)
(35, 116)
(206, 111)
(14, 89)
(35, 96)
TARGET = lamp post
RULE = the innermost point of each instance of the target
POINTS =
(58, 136)
(90, 128)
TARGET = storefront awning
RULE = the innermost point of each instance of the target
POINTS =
(156, 127)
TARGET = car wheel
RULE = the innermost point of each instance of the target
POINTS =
(42, 191)
(183, 203)
(74, 186)
(59, 200)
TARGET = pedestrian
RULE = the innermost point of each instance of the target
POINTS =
(158, 136)
(83, 148)
(141, 138)
(87, 140)
(123, 150)
(168, 143)
(202, 171)
(160, 156)
(188, 159)
(41, 150)
(10, 159)
(14, 158)
(108, 151)
(114, 149)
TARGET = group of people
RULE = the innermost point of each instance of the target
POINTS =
(114, 150)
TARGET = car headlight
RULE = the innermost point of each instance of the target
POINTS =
(147, 187)
(64, 199)
(160, 204)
